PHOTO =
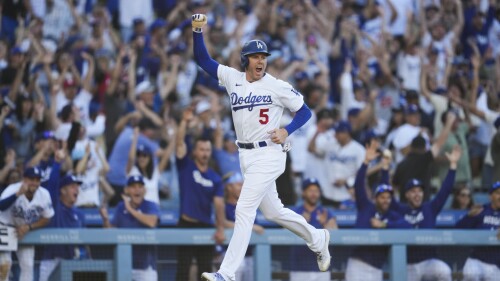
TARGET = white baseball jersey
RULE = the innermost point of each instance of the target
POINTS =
(342, 162)
(24, 211)
(89, 189)
(257, 107)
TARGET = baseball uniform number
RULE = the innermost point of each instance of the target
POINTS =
(264, 117)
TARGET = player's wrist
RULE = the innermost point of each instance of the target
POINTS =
(197, 29)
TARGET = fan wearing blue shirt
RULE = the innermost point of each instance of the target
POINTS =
(365, 263)
(422, 261)
(484, 262)
(303, 264)
(200, 189)
(63, 196)
(136, 212)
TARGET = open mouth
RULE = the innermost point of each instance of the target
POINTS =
(258, 69)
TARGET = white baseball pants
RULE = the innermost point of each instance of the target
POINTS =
(358, 270)
(47, 267)
(260, 168)
(476, 270)
(26, 258)
(148, 274)
(431, 269)
(309, 276)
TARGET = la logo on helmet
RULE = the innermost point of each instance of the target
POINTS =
(259, 45)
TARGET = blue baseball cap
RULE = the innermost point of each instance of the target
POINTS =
(413, 183)
(494, 187)
(158, 23)
(301, 75)
(32, 172)
(310, 181)
(137, 21)
(343, 126)
(381, 188)
(142, 149)
(353, 112)
(45, 136)
(69, 179)
(411, 109)
(16, 51)
(358, 84)
(135, 179)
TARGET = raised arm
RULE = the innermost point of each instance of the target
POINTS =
(180, 144)
(443, 136)
(439, 200)
(132, 151)
(200, 52)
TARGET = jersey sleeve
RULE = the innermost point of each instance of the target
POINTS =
(48, 209)
(219, 188)
(288, 96)
(227, 75)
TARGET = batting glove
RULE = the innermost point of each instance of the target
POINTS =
(198, 21)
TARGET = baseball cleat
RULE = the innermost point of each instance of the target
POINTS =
(207, 276)
(323, 257)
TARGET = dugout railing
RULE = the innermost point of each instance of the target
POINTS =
(121, 240)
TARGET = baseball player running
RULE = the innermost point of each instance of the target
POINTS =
(484, 262)
(257, 101)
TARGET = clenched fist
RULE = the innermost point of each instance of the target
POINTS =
(198, 21)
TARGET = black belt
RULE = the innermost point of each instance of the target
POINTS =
(251, 145)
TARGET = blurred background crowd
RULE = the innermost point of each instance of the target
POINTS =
(108, 81)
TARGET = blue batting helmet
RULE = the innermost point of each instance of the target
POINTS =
(252, 47)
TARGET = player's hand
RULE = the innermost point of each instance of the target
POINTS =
(322, 216)
(219, 236)
(22, 230)
(22, 190)
(278, 135)
(103, 211)
(386, 159)
(454, 156)
(475, 210)
(126, 201)
(198, 21)
(376, 223)
(258, 229)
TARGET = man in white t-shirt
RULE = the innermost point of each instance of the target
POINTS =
(28, 211)
(342, 159)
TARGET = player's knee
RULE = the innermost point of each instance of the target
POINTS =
(471, 273)
(270, 215)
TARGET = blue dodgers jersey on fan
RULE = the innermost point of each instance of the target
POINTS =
(375, 256)
(487, 219)
(198, 190)
(425, 217)
(143, 255)
(301, 257)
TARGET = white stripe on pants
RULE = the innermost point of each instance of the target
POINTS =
(26, 257)
(261, 167)
(431, 269)
(47, 267)
(476, 270)
(358, 270)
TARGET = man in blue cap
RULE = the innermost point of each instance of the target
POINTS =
(66, 216)
(422, 261)
(484, 262)
(136, 212)
(29, 211)
(366, 263)
(343, 158)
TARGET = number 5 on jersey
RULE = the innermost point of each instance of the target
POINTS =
(264, 116)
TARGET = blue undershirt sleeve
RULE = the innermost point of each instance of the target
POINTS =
(384, 178)
(439, 200)
(300, 118)
(202, 57)
(359, 188)
(7, 202)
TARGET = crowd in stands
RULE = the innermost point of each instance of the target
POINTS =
(102, 90)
